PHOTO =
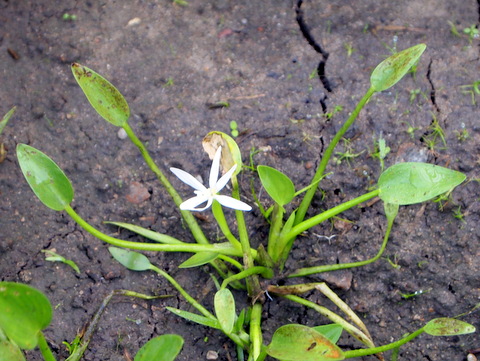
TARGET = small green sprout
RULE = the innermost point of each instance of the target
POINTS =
(313, 74)
(180, 2)
(471, 89)
(336, 109)
(348, 154)
(435, 134)
(168, 82)
(472, 32)
(349, 48)
(411, 130)
(393, 262)
(69, 17)
(381, 151)
(453, 29)
(51, 256)
(234, 128)
(457, 213)
(218, 105)
(463, 134)
(406, 296)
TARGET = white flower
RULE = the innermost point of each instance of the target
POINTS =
(204, 194)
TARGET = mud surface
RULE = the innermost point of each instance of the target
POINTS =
(283, 67)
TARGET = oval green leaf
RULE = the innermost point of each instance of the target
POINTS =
(25, 312)
(134, 261)
(102, 95)
(277, 184)
(199, 259)
(46, 179)
(164, 348)
(412, 182)
(392, 69)
(332, 331)
(225, 309)
(448, 327)
(10, 352)
(302, 343)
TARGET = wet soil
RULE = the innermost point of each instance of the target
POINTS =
(283, 67)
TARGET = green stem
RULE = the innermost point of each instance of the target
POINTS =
(222, 223)
(375, 350)
(302, 210)
(319, 218)
(275, 230)
(184, 293)
(44, 349)
(255, 270)
(256, 337)
(253, 284)
(225, 249)
(187, 216)
(335, 267)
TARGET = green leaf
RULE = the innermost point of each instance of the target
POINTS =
(25, 312)
(277, 184)
(10, 352)
(225, 309)
(134, 261)
(392, 69)
(161, 348)
(6, 118)
(448, 327)
(199, 259)
(147, 233)
(332, 331)
(102, 95)
(301, 343)
(46, 179)
(201, 320)
(412, 182)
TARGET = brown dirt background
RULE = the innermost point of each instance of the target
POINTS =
(253, 55)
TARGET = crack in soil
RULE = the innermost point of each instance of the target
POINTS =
(318, 48)
(432, 90)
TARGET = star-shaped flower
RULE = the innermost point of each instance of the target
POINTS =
(208, 195)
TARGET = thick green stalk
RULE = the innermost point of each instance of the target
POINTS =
(319, 218)
(255, 270)
(307, 199)
(222, 223)
(187, 215)
(253, 284)
(44, 349)
(256, 338)
(390, 346)
(335, 267)
(225, 249)
(275, 230)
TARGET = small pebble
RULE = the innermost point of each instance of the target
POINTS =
(471, 357)
(134, 21)
(122, 134)
(137, 193)
(212, 355)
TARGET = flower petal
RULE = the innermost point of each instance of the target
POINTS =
(215, 168)
(192, 203)
(189, 179)
(222, 182)
(230, 202)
